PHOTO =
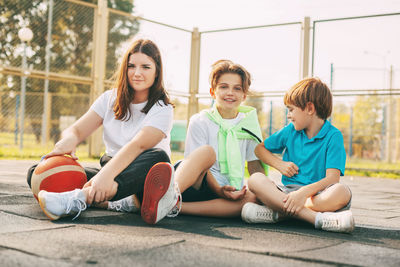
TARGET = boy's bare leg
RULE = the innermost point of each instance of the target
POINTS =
(193, 168)
(267, 192)
(217, 207)
(332, 199)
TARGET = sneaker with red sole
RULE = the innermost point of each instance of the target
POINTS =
(161, 196)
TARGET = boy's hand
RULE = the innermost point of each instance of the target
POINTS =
(288, 168)
(294, 202)
(230, 192)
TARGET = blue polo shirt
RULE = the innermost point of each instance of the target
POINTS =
(312, 156)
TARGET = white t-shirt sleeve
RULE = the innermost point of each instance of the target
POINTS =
(196, 135)
(100, 104)
(160, 117)
(250, 155)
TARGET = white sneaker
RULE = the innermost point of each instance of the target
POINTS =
(254, 213)
(55, 205)
(161, 196)
(123, 205)
(342, 221)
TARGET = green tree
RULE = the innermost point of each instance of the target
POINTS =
(367, 122)
(71, 50)
(341, 120)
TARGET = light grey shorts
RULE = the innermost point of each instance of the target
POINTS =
(294, 187)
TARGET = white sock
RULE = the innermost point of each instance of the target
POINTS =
(317, 222)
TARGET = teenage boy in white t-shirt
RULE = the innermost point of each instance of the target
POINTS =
(228, 132)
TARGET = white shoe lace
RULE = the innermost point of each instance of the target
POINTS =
(75, 203)
(177, 208)
(331, 223)
(115, 206)
(265, 215)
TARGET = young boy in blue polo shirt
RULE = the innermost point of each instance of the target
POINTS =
(313, 160)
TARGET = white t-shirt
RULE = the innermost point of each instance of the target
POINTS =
(203, 131)
(117, 133)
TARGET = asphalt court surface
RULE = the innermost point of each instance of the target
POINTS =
(105, 238)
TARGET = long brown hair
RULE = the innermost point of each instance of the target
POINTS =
(126, 94)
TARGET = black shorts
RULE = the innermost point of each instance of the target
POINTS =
(204, 193)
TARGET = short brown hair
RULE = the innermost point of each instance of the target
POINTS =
(314, 91)
(226, 66)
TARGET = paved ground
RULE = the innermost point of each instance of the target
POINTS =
(102, 238)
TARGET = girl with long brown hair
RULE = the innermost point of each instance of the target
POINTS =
(137, 117)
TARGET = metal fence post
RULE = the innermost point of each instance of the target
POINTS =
(47, 112)
(397, 142)
(194, 73)
(383, 130)
(99, 67)
(390, 123)
(331, 87)
(305, 48)
(16, 119)
(45, 115)
(351, 133)
(270, 118)
(23, 93)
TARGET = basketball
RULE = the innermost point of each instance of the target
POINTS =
(57, 174)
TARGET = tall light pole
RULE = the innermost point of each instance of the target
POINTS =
(45, 116)
(25, 34)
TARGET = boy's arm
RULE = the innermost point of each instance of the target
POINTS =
(332, 177)
(286, 168)
(335, 164)
(226, 191)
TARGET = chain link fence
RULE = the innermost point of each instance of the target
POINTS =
(59, 75)
(68, 28)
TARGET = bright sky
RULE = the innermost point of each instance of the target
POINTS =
(359, 49)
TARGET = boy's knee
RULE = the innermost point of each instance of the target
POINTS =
(336, 197)
(339, 189)
(255, 179)
(206, 154)
(344, 191)
(212, 157)
(209, 151)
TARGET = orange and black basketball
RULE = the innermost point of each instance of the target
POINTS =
(58, 174)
